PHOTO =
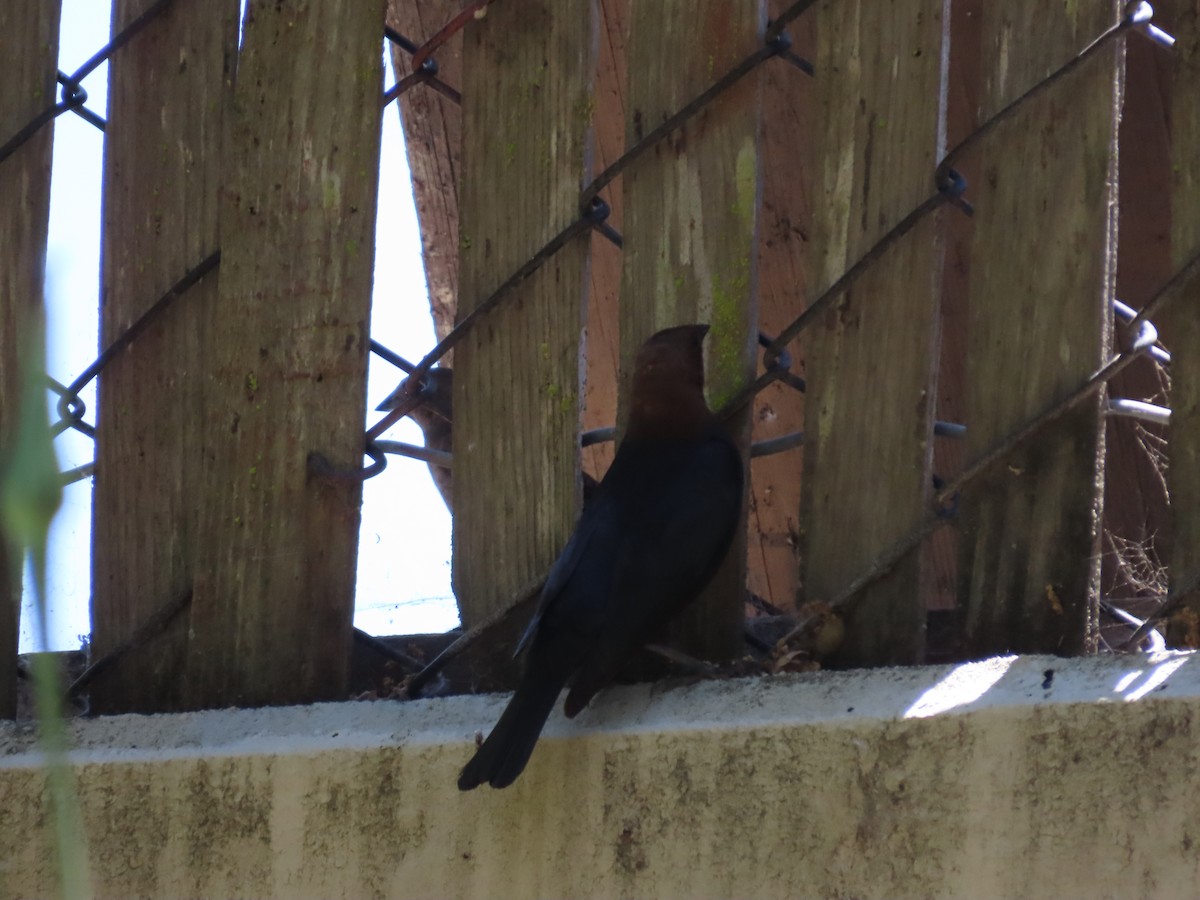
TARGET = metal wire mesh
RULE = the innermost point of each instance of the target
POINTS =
(947, 188)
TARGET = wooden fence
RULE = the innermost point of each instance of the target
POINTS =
(930, 219)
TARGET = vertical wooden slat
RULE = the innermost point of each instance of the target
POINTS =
(785, 230)
(433, 135)
(1183, 474)
(870, 360)
(168, 95)
(27, 69)
(691, 219)
(949, 454)
(526, 140)
(1042, 268)
(602, 358)
(1136, 507)
(287, 351)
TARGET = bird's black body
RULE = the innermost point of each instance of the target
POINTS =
(647, 543)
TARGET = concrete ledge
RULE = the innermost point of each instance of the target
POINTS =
(1018, 777)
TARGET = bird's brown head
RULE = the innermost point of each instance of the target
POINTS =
(433, 409)
(437, 391)
(428, 399)
(667, 397)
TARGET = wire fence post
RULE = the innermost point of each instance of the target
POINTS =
(691, 229)
(287, 347)
(1183, 321)
(1040, 312)
(161, 202)
(871, 357)
(527, 119)
(27, 71)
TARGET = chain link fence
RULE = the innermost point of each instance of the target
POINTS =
(949, 190)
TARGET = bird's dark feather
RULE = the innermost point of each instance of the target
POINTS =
(648, 541)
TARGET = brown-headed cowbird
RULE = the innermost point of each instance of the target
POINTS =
(651, 538)
(434, 415)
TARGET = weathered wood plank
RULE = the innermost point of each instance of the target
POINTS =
(287, 352)
(871, 359)
(1042, 269)
(691, 220)
(1183, 475)
(162, 178)
(27, 70)
(949, 455)
(602, 357)
(785, 231)
(526, 141)
(433, 135)
(1136, 506)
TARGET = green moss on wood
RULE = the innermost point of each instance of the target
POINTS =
(730, 294)
(731, 290)
(746, 181)
(585, 108)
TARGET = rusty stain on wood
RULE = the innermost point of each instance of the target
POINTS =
(526, 152)
(870, 361)
(691, 220)
(1039, 325)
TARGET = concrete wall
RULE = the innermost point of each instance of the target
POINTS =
(1031, 777)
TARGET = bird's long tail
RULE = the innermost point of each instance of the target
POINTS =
(503, 756)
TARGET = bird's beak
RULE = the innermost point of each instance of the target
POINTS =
(406, 397)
